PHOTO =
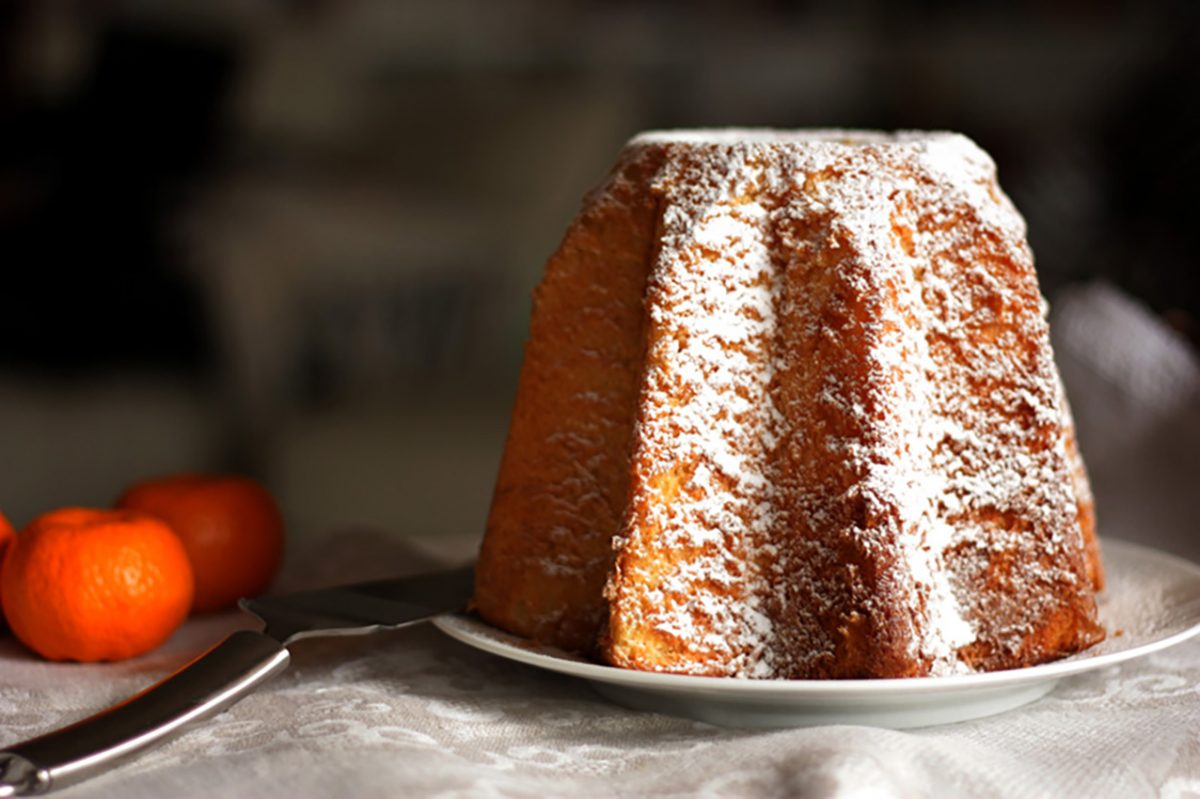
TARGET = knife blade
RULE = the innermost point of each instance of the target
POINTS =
(224, 674)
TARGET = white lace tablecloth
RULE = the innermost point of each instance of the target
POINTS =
(412, 713)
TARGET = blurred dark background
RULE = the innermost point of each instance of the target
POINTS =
(297, 238)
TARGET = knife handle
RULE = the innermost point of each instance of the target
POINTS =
(202, 688)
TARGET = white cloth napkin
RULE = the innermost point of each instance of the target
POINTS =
(1134, 387)
(412, 713)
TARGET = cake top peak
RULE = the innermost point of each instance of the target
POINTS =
(774, 136)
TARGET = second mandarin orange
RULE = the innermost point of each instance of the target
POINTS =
(230, 526)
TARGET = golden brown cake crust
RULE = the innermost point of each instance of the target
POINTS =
(560, 496)
(805, 379)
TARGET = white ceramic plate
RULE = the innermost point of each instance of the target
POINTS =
(1152, 601)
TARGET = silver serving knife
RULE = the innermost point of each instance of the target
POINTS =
(224, 674)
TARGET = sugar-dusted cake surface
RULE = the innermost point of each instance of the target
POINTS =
(788, 409)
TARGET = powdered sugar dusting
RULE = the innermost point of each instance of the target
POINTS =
(710, 367)
(945, 444)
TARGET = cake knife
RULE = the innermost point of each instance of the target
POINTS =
(224, 674)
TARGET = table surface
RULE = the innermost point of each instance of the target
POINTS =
(412, 712)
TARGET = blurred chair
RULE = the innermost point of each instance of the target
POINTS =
(321, 291)
(345, 316)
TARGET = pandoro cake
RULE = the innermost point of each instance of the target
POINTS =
(788, 409)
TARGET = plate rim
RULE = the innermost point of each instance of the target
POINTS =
(453, 626)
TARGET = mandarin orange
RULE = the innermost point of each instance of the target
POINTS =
(86, 584)
(6, 534)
